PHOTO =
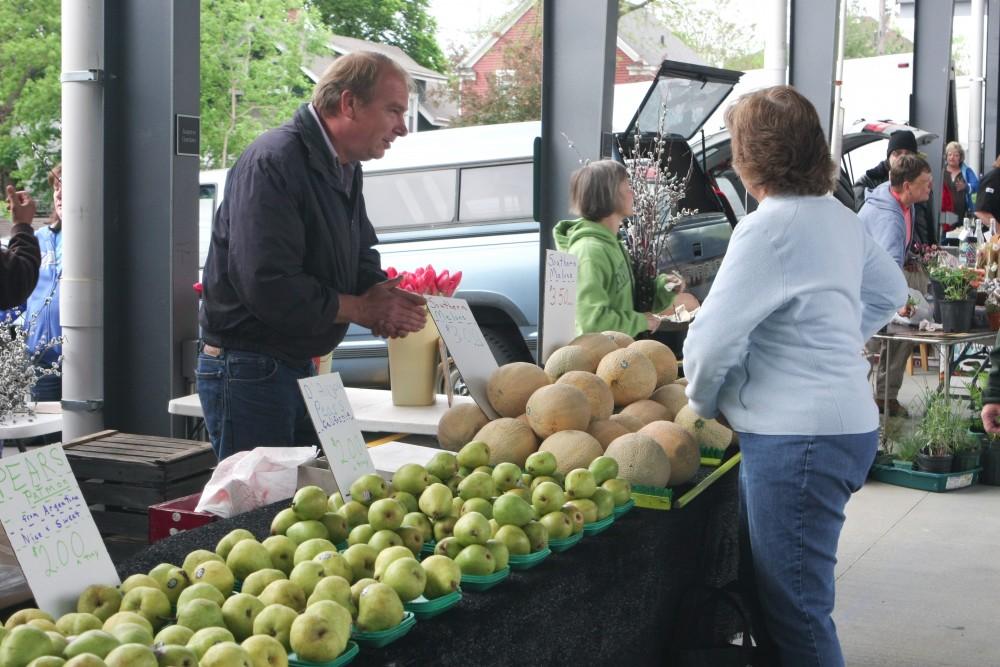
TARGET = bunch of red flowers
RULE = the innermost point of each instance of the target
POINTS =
(425, 280)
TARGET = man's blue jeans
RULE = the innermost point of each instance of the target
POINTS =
(793, 490)
(252, 400)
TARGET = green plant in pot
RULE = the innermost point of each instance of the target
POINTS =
(940, 431)
(956, 284)
(992, 289)
(906, 450)
(966, 452)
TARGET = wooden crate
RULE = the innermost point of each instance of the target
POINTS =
(122, 474)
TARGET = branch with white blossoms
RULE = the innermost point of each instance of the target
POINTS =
(19, 367)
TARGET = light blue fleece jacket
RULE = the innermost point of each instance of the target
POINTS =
(883, 219)
(777, 345)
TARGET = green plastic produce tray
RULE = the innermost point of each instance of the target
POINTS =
(385, 637)
(711, 456)
(595, 527)
(349, 654)
(565, 543)
(623, 509)
(528, 561)
(925, 481)
(484, 582)
(652, 497)
(423, 608)
(341, 546)
(428, 548)
(237, 586)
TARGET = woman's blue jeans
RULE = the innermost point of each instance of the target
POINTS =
(793, 490)
(252, 400)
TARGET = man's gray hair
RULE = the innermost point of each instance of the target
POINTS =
(593, 189)
(358, 72)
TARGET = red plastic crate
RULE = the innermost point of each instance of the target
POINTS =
(175, 516)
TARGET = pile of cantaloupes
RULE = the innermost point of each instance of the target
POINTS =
(604, 393)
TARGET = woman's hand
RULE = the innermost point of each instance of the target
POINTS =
(652, 321)
(689, 301)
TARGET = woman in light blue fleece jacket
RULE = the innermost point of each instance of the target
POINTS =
(777, 349)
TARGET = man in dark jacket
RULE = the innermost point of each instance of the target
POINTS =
(291, 261)
(901, 142)
(19, 262)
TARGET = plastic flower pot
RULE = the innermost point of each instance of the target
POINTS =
(993, 317)
(956, 316)
(931, 463)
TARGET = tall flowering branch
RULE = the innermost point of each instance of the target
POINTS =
(19, 367)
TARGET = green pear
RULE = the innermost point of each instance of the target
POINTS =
(386, 514)
(334, 564)
(173, 635)
(306, 575)
(354, 513)
(361, 558)
(449, 546)
(541, 480)
(196, 558)
(172, 580)
(525, 480)
(336, 526)
(176, 656)
(472, 528)
(444, 528)
(230, 539)
(605, 502)
(59, 642)
(587, 507)
(435, 501)
(431, 479)
(215, 573)
(443, 576)
(309, 502)
(506, 476)
(284, 592)
(603, 468)
(580, 483)
(477, 485)
(420, 521)
(85, 660)
(410, 478)
(379, 608)
(97, 642)
(200, 591)
(248, 556)
(133, 633)
(124, 617)
(406, 499)
(321, 637)
(283, 520)
(547, 497)
(541, 463)
(387, 556)
(47, 661)
(239, 612)
(412, 539)
(406, 577)
(281, 550)
(494, 527)
(454, 483)
(265, 651)
(475, 559)
(358, 587)
(515, 538)
(443, 465)
(620, 489)
(457, 504)
(206, 638)
(500, 553)
(152, 603)
(275, 621)
(131, 655)
(334, 588)
(77, 623)
(369, 488)
(199, 614)
(558, 524)
(480, 505)
(336, 502)
(360, 534)
(383, 539)
(511, 510)
(463, 471)
(42, 624)
(307, 550)
(523, 494)
(303, 531)
(484, 469)
(474, 454)
(99, 600)
(538, 536)
(137, 580)
(575, 515)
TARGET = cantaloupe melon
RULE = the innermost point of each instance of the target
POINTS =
(645, 411)
(663, 358)
(557, 407)
(672, 397)
(620, 339)
(459, 424)
(598, 393)
(630, 422)
(707, 433)
(680, 448)
(570, 358)
(510, 440)
(572, 449)
(510, 386)
(597, 343)
(640, 459)
(629, 373)
(605, 430)
(681, 381)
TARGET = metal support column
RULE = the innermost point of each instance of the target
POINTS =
(578, 75)
(991, 128)
(931, 81)
(812, 54)
(151, 194)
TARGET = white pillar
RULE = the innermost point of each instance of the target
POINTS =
(837, 129)
(974, 143)
(775, 21)
(81, 301)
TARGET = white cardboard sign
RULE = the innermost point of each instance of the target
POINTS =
(51, 530)
(559, 309)
(461, 333)
(339, 435)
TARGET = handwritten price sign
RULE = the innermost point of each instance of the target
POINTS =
(51, 530)
(467, 346)
(339, 435)
(559, 309)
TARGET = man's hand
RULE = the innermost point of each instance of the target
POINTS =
(990, 415)
(22, 206)
(385, 309)
(905, 311)
(689, 301)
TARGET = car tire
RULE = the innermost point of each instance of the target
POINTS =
(504, 350)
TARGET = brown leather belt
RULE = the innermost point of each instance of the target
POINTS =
(211, 350)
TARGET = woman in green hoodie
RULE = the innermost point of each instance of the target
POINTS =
(600, 193)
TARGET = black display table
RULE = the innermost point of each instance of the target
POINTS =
(612, 599)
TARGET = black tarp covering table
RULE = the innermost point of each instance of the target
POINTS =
(611, 599)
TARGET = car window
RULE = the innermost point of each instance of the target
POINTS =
(733, 190)
(496, 193)
(866, 157)
(680, 106)
(410, 199)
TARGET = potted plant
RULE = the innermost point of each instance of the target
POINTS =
(940, 430)
(957, 286)
(906, 451)
(992, 289)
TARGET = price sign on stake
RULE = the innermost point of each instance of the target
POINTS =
(51, 530)
(559, 309)
(467, 346)
(339, 435)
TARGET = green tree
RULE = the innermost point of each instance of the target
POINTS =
(29, 94)
(403, 23)
(865, 36)
(251, 77)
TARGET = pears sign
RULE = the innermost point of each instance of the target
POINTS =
(51, 530)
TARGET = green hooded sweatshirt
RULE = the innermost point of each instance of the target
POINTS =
(604, 279)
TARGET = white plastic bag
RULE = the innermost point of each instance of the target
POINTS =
(922, 310)
(248, 480)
